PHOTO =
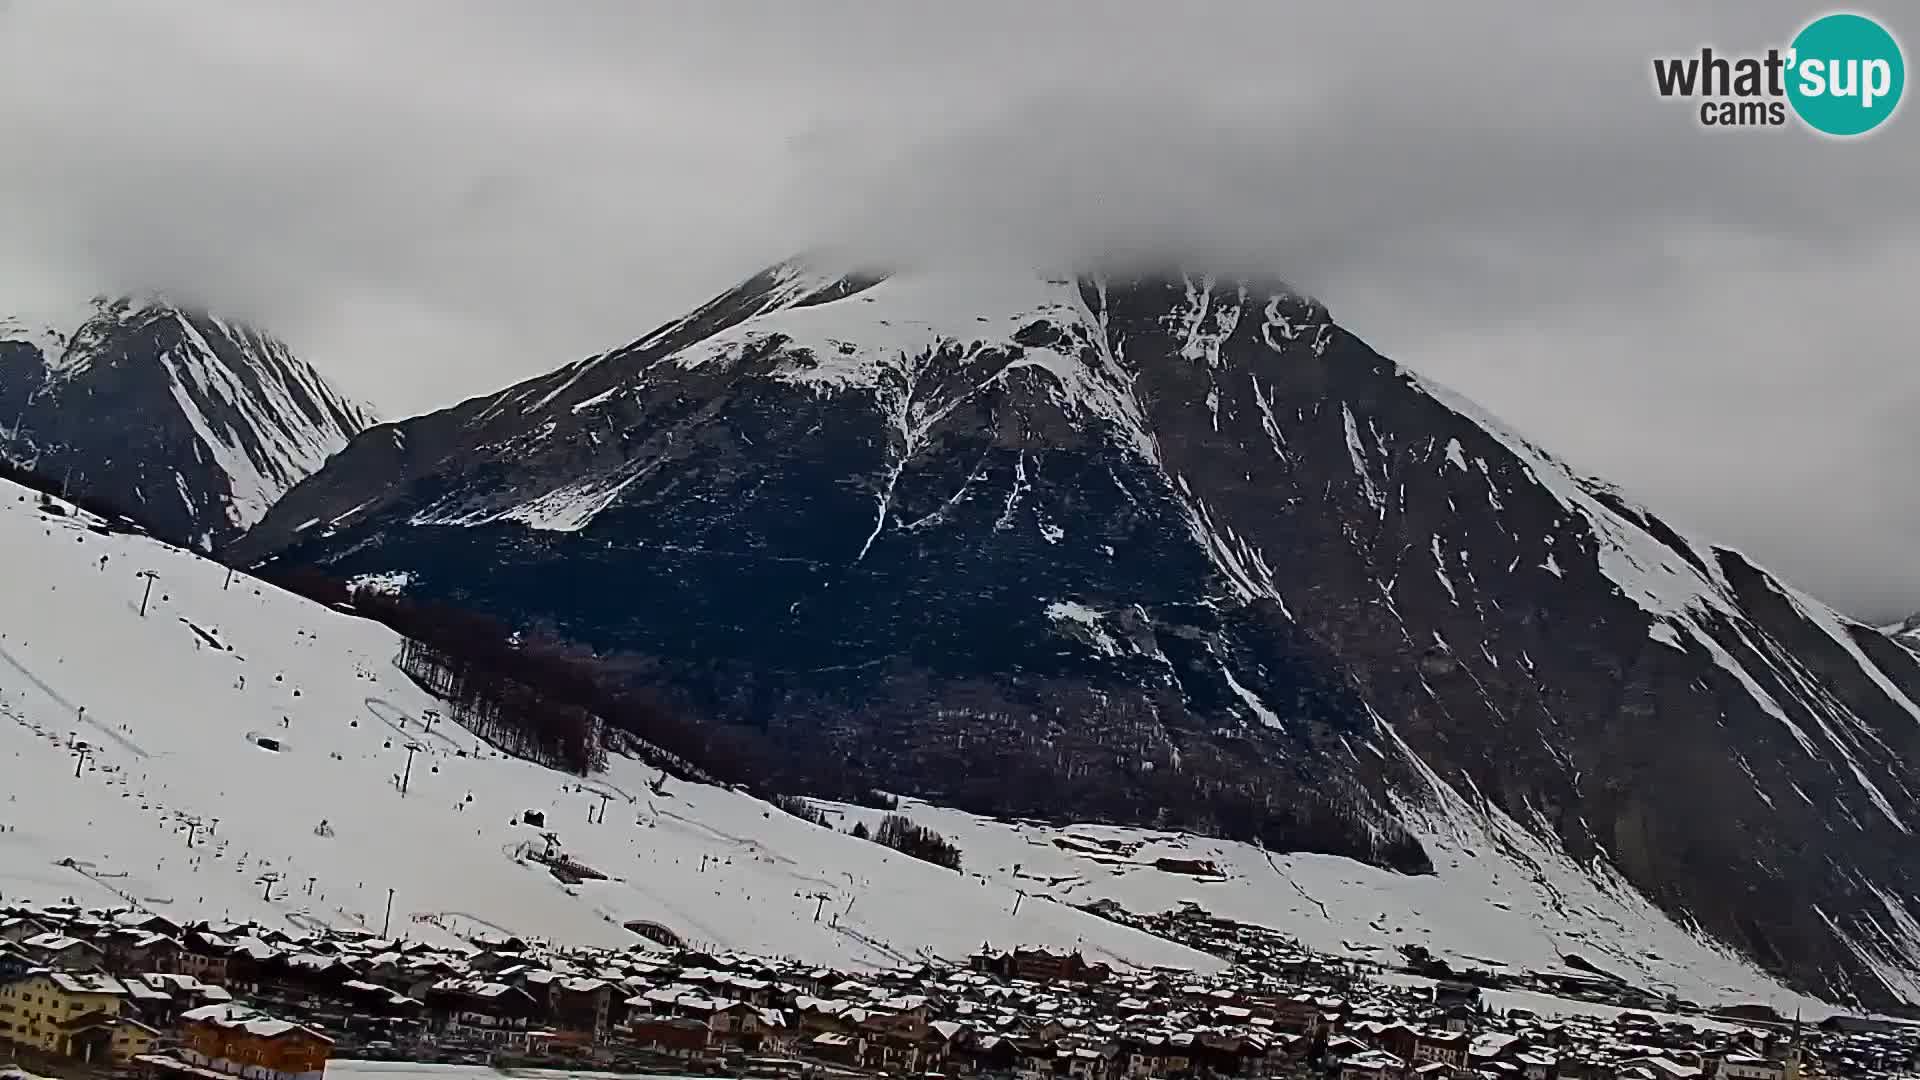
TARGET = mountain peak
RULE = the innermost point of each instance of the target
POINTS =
(190, 422)
(83, 344)
(1175, 550)
(1906, 632)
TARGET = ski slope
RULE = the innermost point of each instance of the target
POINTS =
(1499, 898)
(175, 701)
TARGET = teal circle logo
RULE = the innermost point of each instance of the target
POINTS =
(1847, 74)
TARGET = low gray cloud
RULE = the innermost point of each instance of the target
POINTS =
(433, 200)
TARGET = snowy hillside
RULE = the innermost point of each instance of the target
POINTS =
(170, 707)
(192, 423)
(1500, 899)
(176, 700)
(1172, 550)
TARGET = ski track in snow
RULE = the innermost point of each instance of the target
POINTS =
(1523, 908)
(839, 347)
(74, 637)
(706, 861)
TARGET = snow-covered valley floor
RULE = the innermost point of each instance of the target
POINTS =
(172, 706)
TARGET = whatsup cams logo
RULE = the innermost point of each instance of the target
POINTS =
(1841, 75)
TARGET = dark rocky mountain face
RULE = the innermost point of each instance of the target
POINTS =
(1906, 632)
(1168, 550)
(191, 424)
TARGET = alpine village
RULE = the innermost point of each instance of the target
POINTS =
(1156, 549)
(91, 993)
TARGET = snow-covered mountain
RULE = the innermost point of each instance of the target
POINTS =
(1906, 632)
(178, 807)
(1169, 550)
(192, 424)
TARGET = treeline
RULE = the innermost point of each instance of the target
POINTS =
(533, 695)
(802, 809)
(513, 715)
(898, 832)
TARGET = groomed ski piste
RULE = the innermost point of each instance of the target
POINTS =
(1505, 905)
(179, 808)
(175, 705)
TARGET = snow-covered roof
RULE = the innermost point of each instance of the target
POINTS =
(249, 1020)
(87, 983)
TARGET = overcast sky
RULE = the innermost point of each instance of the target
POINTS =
(431, 200)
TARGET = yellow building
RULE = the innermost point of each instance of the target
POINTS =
(72, 1014)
